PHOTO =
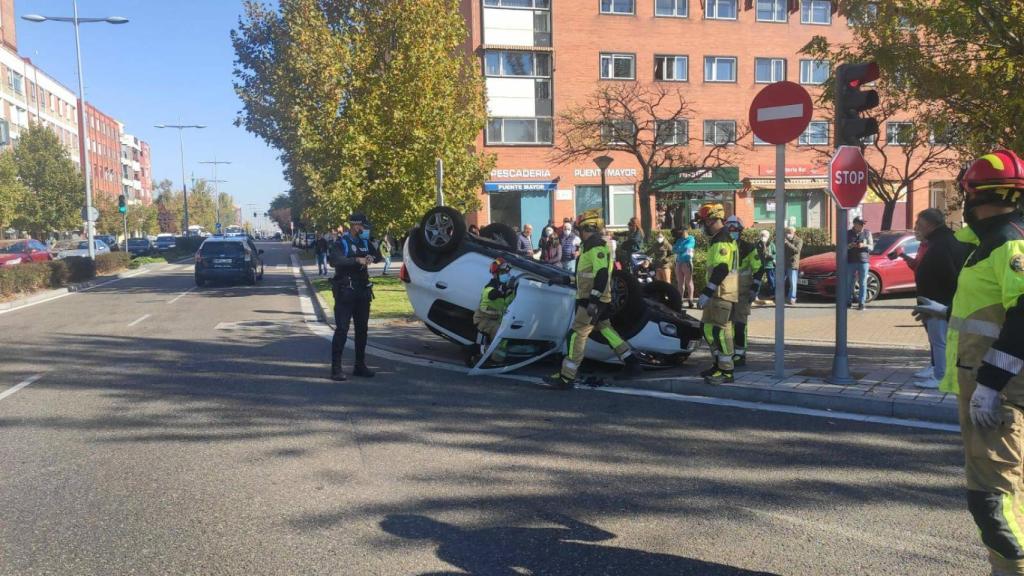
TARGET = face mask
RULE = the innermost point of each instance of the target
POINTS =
(734, 235)
(503, 277)
(661, 239)
(568, 229)
(365, 234)
(789, 236)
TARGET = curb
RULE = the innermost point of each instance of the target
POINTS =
(945, 413)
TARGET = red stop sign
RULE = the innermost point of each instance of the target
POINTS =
(848, 177)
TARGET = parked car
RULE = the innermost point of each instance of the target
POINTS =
(13, 252)
(140, 247)
(222, 258)
(110, 240)
(81, 248)
(445, 269)
(310, 240)
(885, 275)
(165, 242)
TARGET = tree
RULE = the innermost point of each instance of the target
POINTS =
(281, 212)
(12, 191)
(56, 190)
(361, 98)
(650, 124)
(111, 221)
(170, 206)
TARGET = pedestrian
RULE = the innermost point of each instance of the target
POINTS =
(593, 296)
(985, 353)
(860, 243)
(474, 229)
(321, 249)
(794, 246)
(570, 246)
(634, 243)
(351, 256)
(551, 249)
(766, 252)
(684, 248)
(524, 246)
(749, 286)
(385, 253)
(661, 252)
(720, 293)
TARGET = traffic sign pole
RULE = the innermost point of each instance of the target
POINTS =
(841, 360)
(780, 271)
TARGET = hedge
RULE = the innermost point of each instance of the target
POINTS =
(33, 276)
(112, 262)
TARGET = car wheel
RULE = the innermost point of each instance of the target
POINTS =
(251, 278)
(200, 281)
(874, 286)
(627, 307)
(443, 228)
(500, 233)
(665, 293)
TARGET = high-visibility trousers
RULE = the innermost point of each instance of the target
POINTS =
(717, 328)
(583, 325)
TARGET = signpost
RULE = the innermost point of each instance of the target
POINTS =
(779, 114)
(848, 183)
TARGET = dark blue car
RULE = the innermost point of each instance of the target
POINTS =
(228, 259)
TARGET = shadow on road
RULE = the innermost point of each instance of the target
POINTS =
(570, 550)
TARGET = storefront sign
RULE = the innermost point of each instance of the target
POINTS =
(792, 171)
(769, 206)
(498, 187)
(609, 173)
(563, 195)
(498, 174)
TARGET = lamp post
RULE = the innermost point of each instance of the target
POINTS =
(216, 189)
(603, 162)
(181, 148)
(83, 137)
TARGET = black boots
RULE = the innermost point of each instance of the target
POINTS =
(558, 382)
(363, 372)
(336, 373)
(632, 368)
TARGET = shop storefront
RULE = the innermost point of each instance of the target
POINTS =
(521, 203)
(806, 196)
(695, 188)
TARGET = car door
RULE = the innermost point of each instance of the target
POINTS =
(539, 313)
(902, 275)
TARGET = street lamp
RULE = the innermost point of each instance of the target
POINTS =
(603, 162)
(216, 189)
(83, 137)
(181, 147)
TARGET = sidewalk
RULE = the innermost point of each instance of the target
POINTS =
(885, 323)
(884, 375)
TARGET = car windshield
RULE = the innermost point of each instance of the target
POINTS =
(138, 242)
(222, 249)
(84, 245)
(883, 242)
(14, 248)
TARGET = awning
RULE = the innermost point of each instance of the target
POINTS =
(700, 180)
(791, 183)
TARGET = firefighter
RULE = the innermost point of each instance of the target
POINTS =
(593, 295)
(720, 294)
(749, 287)
(495, 299)
(985, 343)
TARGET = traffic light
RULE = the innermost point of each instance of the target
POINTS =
(851, 129)
(122, 204)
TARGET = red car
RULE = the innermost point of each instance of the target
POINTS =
(17, 251)
(885, 275)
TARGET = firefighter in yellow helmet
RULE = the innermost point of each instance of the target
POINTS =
(720, 294)
(985, 343)
(749, 286)
(593, 296)
(494, 301)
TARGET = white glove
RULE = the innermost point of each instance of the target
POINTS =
(985, 407)
(705, 295)
(927, 308)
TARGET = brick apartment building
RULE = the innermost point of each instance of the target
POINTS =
(136, 171)
(542, 57)
(104, 151)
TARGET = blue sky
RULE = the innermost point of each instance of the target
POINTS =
(172, 61)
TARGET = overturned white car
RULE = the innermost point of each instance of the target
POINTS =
(445, 269)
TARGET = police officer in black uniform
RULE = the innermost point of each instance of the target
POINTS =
(353, 291)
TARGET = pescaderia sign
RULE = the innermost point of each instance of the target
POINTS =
(520, 173)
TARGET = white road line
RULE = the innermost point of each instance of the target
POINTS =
(324, 331)
(179, 296)
(19, 386)
(59, 296)
(143, 317)
(780, 112)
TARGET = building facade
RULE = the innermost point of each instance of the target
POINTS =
(541, 58)
(30, 96)
(131, 169)
(104, 151)
(145, 173)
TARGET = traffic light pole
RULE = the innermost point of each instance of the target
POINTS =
(841, 359)
(125, 215)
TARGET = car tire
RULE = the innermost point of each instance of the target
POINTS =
(250, 279)
(665, 293)
(500, 233)
(200, 281)
(627, 308)
(874, 287)
(442, 228)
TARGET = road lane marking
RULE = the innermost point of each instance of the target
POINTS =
(19, 386)
(179, 296)
(71, 293)
(140, 319)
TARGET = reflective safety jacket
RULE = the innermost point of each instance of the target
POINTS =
(985, 341)
(594, 271)
(495, 299)
(723, 266)
(750, 264)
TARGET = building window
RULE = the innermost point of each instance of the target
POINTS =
(618, 132)
(866, 16)
(719, 69)
(816, 134)
(815, 12)
(618, 6)
(899, 133)
(672, 132)
(772, 10)
(672, 8)
(623, 204)
(768, 70)
(531, 4)
(16, 81)
(671, 68)
(519, 131)
(721, 10)
(501, 63)
(618, 67)
(542, 28)
(814, 71)
(759, 142)
(719, 132)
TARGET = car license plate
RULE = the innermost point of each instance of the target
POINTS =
(222, 261)
(803, 282)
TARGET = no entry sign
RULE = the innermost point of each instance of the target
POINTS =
(780, 112)
(848, 177)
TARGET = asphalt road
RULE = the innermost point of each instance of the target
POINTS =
(170, 431)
